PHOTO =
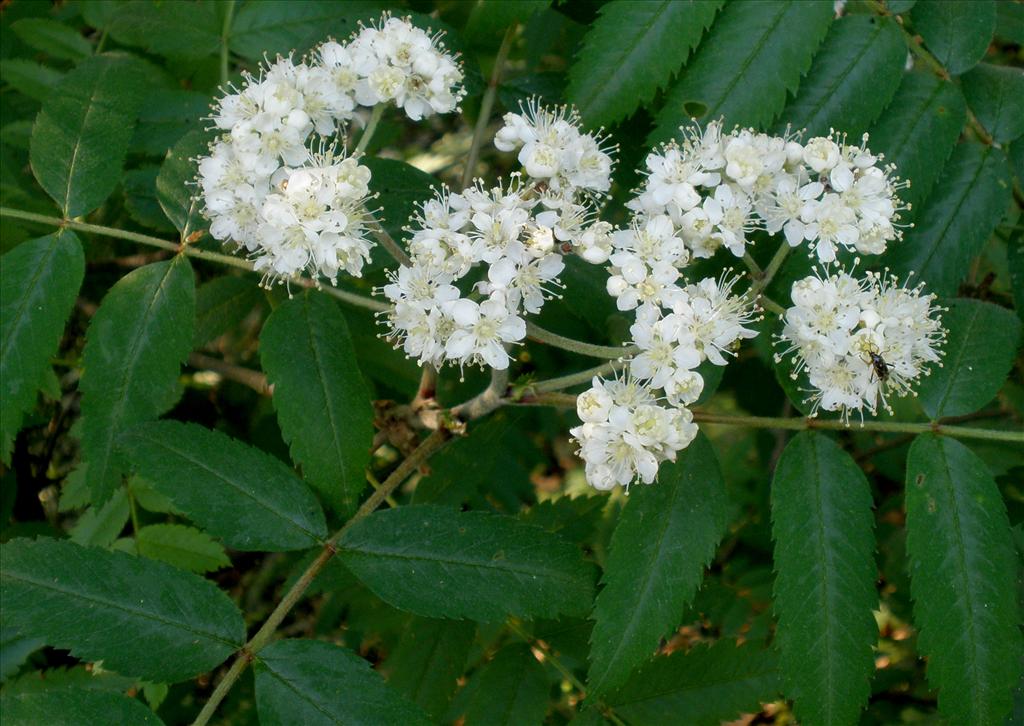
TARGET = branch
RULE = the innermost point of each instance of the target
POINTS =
(535, 332)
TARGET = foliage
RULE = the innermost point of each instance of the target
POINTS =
(188, 457)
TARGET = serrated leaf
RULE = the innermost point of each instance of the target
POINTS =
(956, 220)
(81, 135)
(147, 497)
(176, 29)
(706, 685)
(996, 95)
(428, 661)
(181, 546)
(825, 593)
(630, 52)
(33, 79)
(666, 535)
(510, 690)
(134, 348)
(100, 525)
(53, 38)
(280, 26)
(221, 304)
(312, 682)
(437, 562)
(918, 131)
(246, 497)
(174, 184)
(852, 78)
(323, 404)
(73, 707)
(140, 617)
(38, 288)
(981, 344)
(962, 578)
(745, 66)
(957, 32)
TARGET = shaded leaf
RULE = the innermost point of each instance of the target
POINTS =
(246, 497)
(221, 304)
(177, 29)
(322, 402)
(141, 200)
(181, 546)
(280, 26)
(33, 79)
(140, 617)
(996, 95)
(53, 38)
(918, 131)
(167, 114)
(100, 525)
(852, 78)
(312, 682)
(73, 707)
(665, 537)
(746, 65)
(962, 578)
(402, 188)
(15, 650)
(134, 348)
(709, 685)
(38, 288)
(630, 52)
(437, 562)
(428, 661)
(174, 188)
(510, 690)
(981, 345)
(81, 135)
(825, 579)
(957, 219)
(957, 32)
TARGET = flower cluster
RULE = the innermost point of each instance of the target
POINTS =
(295, 209)
(518, 231)
(627, 433)
(860, 340)
(717, 188)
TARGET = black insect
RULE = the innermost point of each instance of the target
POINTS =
(879, 365)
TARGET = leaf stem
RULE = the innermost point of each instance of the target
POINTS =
(225, 34)
(795, 423)
(555, 340)
(427, 448)
(486, 106)
(221, 259)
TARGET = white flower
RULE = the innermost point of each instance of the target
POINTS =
(860, 340)
(482, 331)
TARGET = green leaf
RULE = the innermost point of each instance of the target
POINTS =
(322, 402)
(223, 303)
(962, 577)
(666, 535)
(746, 65)
(825, 579)
(428, 661)
(140, 617)
(37, 292)
(402, 188)
(184, 547)
(53, 38)
(177, 29)
(166, 116)
(280, 26)
(511, 690)
(141, 201)
(708, 685)
(957, 219)
(312, 682)
(437, 562)
(174, 184)
(100, 525)
(957, 32)
(15, 650)
(246, 497)
(81, 135)
(631, 51)
(980, 347)
(134, 347)
(1015, 265)
(33, 79)
(73, 707)
(853, 77)
(996, 95)
(919, 130)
